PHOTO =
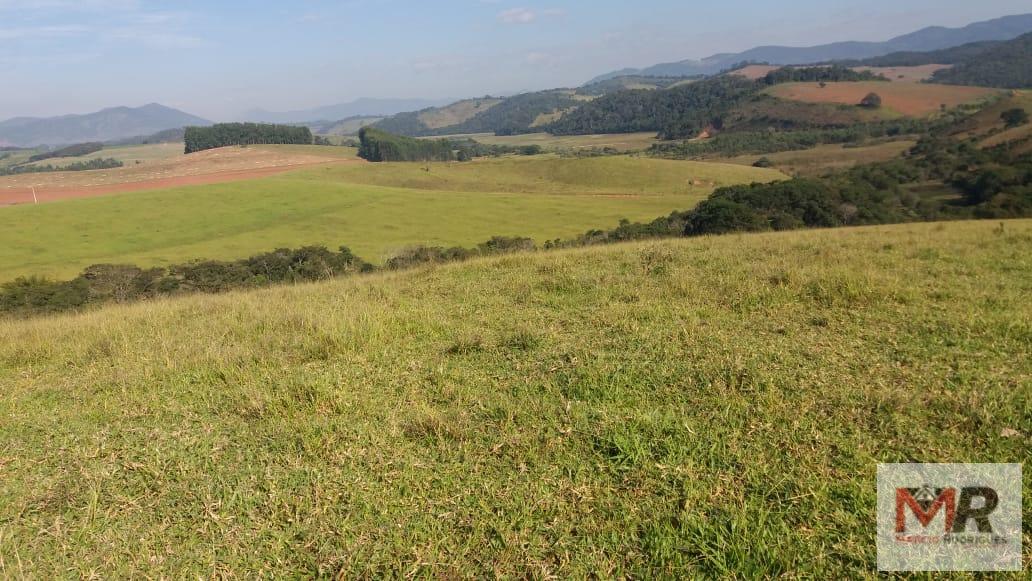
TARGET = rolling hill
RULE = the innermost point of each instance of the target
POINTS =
(932, 38)
(106, 125)
(666, 409)
(504, 116)
(1006, 65)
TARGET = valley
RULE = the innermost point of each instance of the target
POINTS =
(758, 315)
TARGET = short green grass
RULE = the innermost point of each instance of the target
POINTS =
(376, 209)
(699, 408)
(597, 176)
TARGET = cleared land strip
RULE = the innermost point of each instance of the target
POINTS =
(228, 164)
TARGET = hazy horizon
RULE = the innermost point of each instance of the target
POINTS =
(218, 61)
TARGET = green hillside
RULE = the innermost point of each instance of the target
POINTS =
(1007, 65)
(712, 407)
(375, 209)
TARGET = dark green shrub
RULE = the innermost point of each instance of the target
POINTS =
(720, 216)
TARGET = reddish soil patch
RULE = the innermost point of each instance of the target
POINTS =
(55, 193)
(217, 166)
(754, 72)
(912, 99)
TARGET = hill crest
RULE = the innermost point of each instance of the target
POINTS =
(926, 39)
(108, 124)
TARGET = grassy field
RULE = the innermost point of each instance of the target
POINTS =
(376, 209)
(618, 141)
(711, 407)
(823, 158)
(16, 157)
(129, 154)
(911, 99)
(988, 125)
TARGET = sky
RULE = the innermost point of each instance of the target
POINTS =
(220, 58)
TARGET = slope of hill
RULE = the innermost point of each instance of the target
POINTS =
(511, 115)
(107, 125)
(631, 82)
(1006, 65)
(679, 112)
(358, 108)
(349, 126)
(631, 420)
(927, 39)
(946, 56)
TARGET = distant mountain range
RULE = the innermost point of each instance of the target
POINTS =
(107, 125)
(358, 108)
(927, 39)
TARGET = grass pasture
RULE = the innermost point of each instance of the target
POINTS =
(909, 99)
(988, 125)
(128, 154)
(625, 142)
(914, 74)
(376, 209)
(704, 408)
(166, 169)
(823, 158)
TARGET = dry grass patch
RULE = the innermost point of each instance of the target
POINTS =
(910, 99)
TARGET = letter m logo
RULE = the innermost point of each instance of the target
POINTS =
(925, 503)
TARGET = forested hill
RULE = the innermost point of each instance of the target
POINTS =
(684, 111)
(1007, 65)
(678, 112)
(946, 56)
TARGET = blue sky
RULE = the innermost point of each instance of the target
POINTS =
(219, 58)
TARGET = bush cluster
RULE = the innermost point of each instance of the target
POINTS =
(104, 283)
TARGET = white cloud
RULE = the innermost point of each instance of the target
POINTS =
(527, 15)
(517, 16)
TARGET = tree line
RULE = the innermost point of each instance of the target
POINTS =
(828, 74)
(228, 134)
(106, 283)
(77, 150)
(379, 146)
